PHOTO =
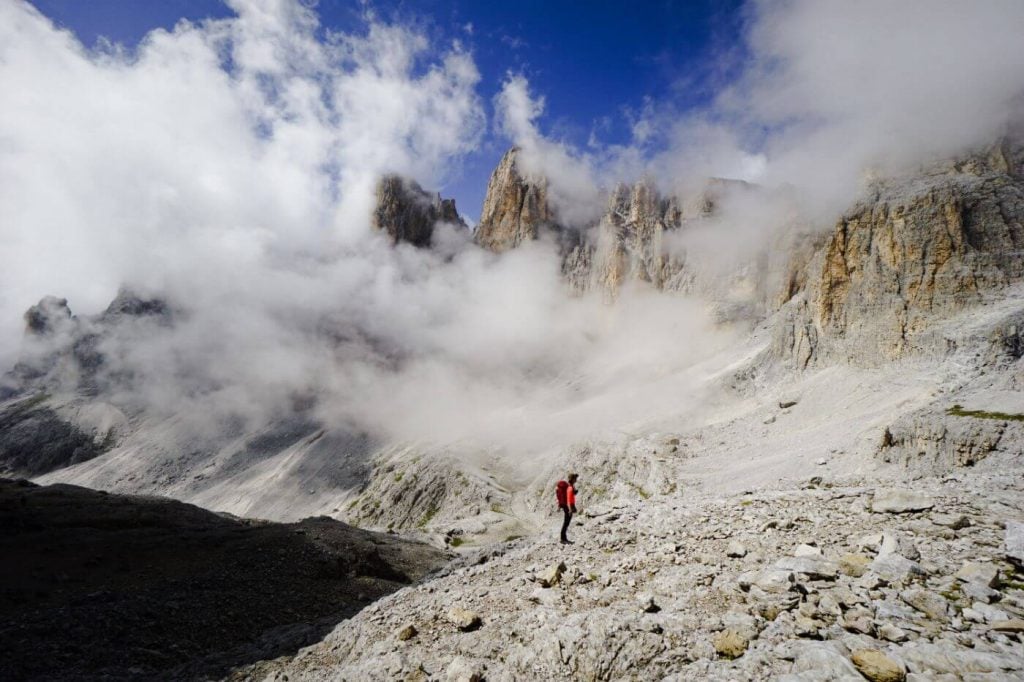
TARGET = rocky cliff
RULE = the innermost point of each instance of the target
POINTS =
(627, 244)
(915, 250)
(516, 207)
(408, 213)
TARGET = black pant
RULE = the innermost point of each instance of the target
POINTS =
(565, 523)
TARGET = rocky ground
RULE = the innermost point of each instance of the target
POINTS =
(834, 580)
(98, 586)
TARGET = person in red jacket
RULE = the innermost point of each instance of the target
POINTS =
(565, 491)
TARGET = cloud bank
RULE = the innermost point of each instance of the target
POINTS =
(824, 92)
(229, 166)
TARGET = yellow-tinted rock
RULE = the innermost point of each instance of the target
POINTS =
(730, 643)
(878, 667)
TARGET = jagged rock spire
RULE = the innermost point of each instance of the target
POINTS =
(515, 208)
(408, 213)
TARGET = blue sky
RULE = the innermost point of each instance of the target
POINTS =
(591, 61)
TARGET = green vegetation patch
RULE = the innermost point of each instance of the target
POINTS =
(431, 513)
(959, 411)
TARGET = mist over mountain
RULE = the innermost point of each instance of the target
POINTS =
(234, 276)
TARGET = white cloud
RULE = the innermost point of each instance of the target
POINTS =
(230, 165)
(829, 89)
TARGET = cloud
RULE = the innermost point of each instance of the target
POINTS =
(229, 167)
(834, 88)
(212, 144)
(827, 91)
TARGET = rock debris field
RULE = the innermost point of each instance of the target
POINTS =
(843, 582)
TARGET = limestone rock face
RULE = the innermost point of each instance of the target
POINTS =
(516, 207)
(631, 242)
(630, 237)
(408, 213)
(917, 249)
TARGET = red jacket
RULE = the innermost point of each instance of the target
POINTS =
(566, 495)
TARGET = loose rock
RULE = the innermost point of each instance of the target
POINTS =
(463, 619)
(979, 573)
(894, 501)
(730, 643)
(552, 576)
(878, 667)
(736, 549)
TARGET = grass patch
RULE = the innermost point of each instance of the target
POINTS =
(952, 594)
(398, 476)
(746, 503)
(431, 513)
(510, 538)
(640, 491)
(959, 411)
(457, 541)
(496, 508)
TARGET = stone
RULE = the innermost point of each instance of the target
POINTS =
(730, 643)
(774, 581)
(817, 661)
(972, 615)
(552, 575)
(1014, 542)
(1014, 625)
(891, 633)
(941, 659)
(407, 632)
(807, 550)
(463, 619)
(896, 569)
(647, 603)
(888, 545)
(829, 605)
(979, 573)
(954, 521)
(990, 613)
(979, 592)
(854, 565)
(858, 620)
(736, 549)
(898, 501)
(462, 670)
(927, 602)
(815, 568)
(877, 667)
(807, 627)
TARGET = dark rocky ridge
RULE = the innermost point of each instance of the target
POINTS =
(124, 587)
(408, 213)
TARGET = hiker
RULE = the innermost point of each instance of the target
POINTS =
(565, 491)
